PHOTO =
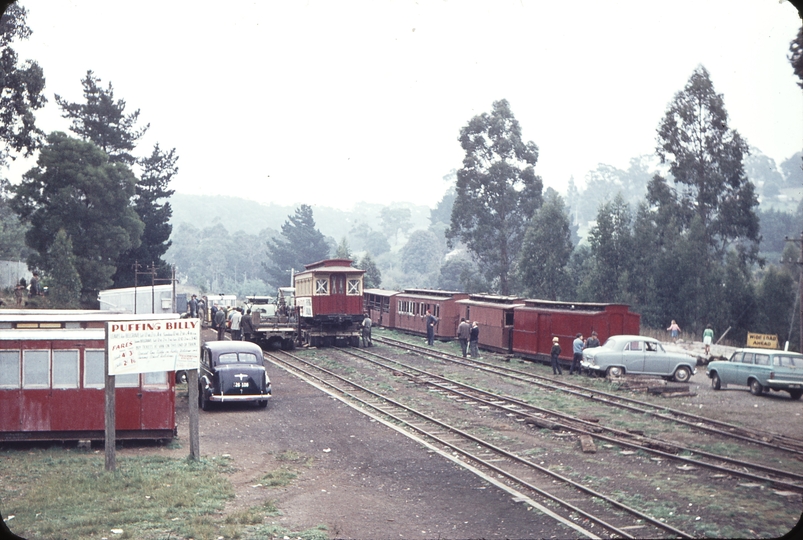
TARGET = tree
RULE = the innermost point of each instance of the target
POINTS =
(65, 283)
(546, 251)
(373, 277)
(158, 170)
(796, 58)
(497, 192)
(420, 255)
(23, 88)
(103, 121)
(705, 158)
(343, 251)
(74, 187)
(299, 244)
(12, 231)
(395, 220)
(776, 303)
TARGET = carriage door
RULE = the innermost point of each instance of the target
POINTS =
(339, 293)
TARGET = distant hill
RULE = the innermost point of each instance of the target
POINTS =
(236, 213)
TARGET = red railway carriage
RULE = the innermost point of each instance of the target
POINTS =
(538, 321)
(412, 306)
(52, 382)
(494, 316)
(329, 298)
(380, 305)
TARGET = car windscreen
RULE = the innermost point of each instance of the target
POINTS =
(610, 343)
(234, 358)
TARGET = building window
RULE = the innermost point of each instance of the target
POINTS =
(156, 378)
(35, 369)
(65, 369)
(129, 380)
(93, 369)
(321, 286)
(9, 369)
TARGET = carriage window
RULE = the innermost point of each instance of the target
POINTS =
(93, 369)
(156, 378)
(65, 369)
(763, 359)
(436, 310)
(35, 369)
(354, 287)
(321, 286)
(9, 369)
(129, 380)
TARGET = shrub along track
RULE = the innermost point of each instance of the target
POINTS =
(697, 501)
(523, 478)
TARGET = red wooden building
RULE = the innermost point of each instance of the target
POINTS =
(412, 306)
(52, 380)
(538, 321)
(494, 315)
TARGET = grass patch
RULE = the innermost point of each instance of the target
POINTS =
(278, 478)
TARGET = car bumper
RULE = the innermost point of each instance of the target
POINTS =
(223, 398)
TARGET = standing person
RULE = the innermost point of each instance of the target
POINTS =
(19, 292)
(366, 331)
(674, 329)
(247, 326)
(202, 311)
(708, 337)
(214, 311)
(554, 354)
(463, 333)
(577, 356)
(236, 318)
(194, 307)
(431, 321)
(220, 324)
(36, 287)
(474, 339)
(593, 341)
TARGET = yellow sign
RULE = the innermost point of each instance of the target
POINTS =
(762, 341)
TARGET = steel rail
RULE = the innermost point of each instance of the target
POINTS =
(663, 526)
(493, 400)
(791, 445)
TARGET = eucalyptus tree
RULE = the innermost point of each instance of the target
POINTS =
(497, 192)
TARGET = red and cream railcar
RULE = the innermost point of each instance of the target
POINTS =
(380, 304)
(329, 299)
(412, 306)
(538, 321)
(52, 382)
(494, 316)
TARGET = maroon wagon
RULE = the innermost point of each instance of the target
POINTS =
(412, 306)
(494, 317)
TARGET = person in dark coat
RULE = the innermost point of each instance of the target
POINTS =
(247, 326)
(474, 339)
(431, 321)
(194, 307)
(220, 323)
(554, 354)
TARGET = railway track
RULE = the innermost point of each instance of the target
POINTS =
(557, 420)
(696, 422)
(586, 511)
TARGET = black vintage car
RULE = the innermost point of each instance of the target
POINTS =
(232, 371)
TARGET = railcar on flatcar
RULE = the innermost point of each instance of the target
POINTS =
(329, 302)
(52, 380)
(412, 306)
(538, 321)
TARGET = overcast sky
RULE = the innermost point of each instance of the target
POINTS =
(334, 102)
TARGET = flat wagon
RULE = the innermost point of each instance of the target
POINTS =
(52, 380)
(538, 321)
(494, 316)
(412, 306)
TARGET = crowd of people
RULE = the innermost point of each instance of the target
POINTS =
(578, 346)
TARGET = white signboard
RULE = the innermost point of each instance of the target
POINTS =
(305, 303)
(153, 345)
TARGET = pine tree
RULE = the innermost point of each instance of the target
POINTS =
(65, 283)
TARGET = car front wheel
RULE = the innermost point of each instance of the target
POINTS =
(682, 374)
(755, 388)
(615, 371)
(716, 383)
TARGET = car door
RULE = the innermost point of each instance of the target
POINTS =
(728, 371)
(744, 368)
(656, 360)
(633, 356)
